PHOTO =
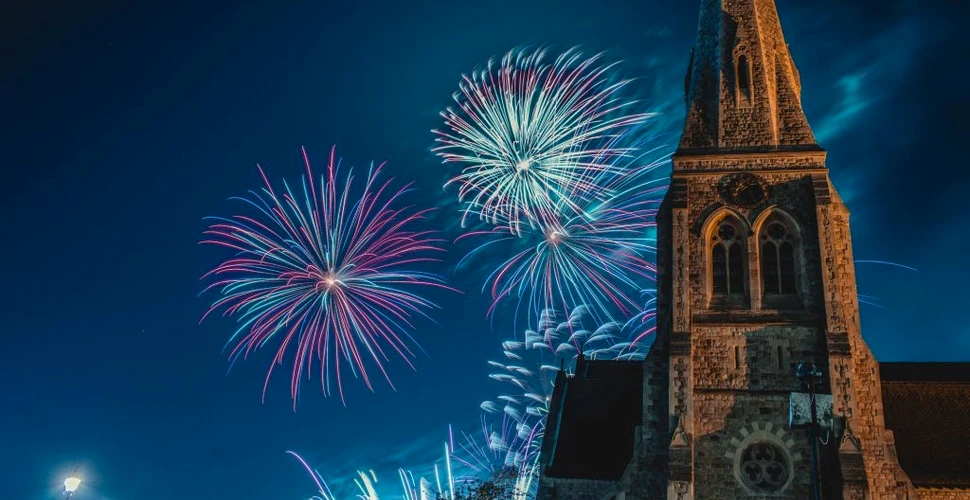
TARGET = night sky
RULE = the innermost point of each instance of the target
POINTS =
(124, 124)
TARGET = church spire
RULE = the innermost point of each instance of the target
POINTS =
(743, 91)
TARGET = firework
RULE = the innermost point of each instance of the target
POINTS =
(534, 361)
(412, 488)
(489, 455)
(645, 322)
(488, 450)
(533, 137)
(365, 482)
(529, 370)
(532, 364)
(329, 272)
(603, 257)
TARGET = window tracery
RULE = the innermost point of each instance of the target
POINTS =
(778, 269)
(727, 260)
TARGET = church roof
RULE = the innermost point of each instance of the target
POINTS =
(592, 420)
(927, 406)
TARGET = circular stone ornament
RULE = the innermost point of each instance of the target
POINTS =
(744, 190)
(764, 467)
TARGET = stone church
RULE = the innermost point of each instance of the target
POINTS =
(756, 278)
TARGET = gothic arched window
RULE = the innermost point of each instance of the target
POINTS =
(727, 260)
(744, 77)
(778, 270)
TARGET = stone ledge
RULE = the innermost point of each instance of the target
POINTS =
(811, 161)
(799, 318)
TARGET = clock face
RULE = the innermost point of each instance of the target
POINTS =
(744, 190)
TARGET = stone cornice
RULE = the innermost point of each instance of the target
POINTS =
(808, 160)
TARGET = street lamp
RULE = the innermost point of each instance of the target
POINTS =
(810, 375)
(71, 485)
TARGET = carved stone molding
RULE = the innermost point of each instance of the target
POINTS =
(680, 438)
(763, 458)
(679, 490)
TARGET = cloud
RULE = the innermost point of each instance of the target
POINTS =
(853, 102)
(866, 70)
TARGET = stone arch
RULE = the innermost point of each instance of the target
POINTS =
(719, 214)
(743, 75)
(778, 259)
(768, 434)
(774, 210)
(725, 235)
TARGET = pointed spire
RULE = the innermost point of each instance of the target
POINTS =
(743, 91)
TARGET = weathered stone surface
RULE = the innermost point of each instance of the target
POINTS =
(576, 489)
(941, 494)
(723, 112)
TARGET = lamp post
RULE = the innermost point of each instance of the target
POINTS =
(71, 485)
(809, 374)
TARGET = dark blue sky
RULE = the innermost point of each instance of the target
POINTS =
(123, 124)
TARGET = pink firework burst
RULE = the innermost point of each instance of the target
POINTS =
(329, 272)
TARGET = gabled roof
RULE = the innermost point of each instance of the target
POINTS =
(592, 420)
(927, 406)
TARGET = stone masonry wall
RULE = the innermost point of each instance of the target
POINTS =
(793, 127)
(740, 381)
(745, 122)
(645, 476)
(701, 125)
(721, 115)
(724, 424)
(728, 373)
(746, 357)
(942, 494)
(777, 162)
(578, 489)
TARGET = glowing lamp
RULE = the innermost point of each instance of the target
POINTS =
(71, 484)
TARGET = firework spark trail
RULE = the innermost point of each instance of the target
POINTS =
(408, 485)
(493, 450)
(535, 361)
(645, 323)
(332, 272)
(487, 450)
(602, 256)
(530, 369)
(322, 487)
(489, 454)
(365, 483)
(412, 488)
(534, 137)
(874, 300)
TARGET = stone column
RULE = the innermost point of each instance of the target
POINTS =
(680, 458)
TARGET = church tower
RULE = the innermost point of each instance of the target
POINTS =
(756, 276)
